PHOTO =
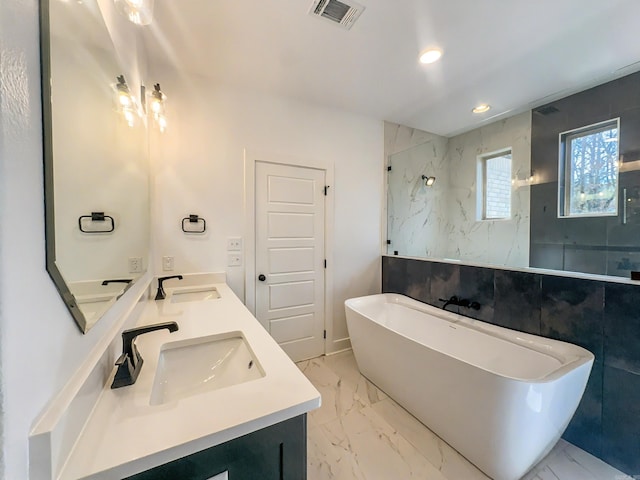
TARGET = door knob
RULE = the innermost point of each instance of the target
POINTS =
(261, 277)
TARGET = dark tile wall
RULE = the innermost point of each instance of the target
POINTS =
(602, 317)
(592, 244)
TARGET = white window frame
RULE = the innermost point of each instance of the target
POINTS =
(481, 210)
(564, 167)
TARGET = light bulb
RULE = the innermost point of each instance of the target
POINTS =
(134, 17)
(129, 117)
(162, 123)
(125, 99)
(139, 12)
(156, 105)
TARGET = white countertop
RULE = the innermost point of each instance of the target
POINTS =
(126, 435)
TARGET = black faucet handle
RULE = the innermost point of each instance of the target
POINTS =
(126, 374)
(130, 362)
(453, 299)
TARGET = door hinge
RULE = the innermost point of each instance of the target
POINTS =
(389, 168)
(326, 189)
(388, 242)
(325, 263)
(324, 335)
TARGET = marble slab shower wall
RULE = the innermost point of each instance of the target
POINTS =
(599, 316)
(496, 242)
(601, 245)
(441, 221)
(416, 213)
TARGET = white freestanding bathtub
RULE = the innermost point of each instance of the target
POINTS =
(502, 398)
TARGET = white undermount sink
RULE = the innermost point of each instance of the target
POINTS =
(194, 294)
(198, 365)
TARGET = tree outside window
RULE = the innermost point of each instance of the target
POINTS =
(589, 170)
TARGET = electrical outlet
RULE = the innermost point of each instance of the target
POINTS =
(234, 260)
(167, 264)
(135, 264)
(234, 244)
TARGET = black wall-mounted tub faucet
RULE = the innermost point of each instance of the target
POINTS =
(130, 362)
(461, 302)
(160, 295)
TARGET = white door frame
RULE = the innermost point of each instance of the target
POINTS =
(250, 159)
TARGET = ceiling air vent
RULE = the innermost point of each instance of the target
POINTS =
(343, 13)
(546, 110)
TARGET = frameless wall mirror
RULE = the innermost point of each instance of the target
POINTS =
(556, 187)
(96, 160)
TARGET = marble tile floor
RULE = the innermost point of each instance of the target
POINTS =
(359, 433)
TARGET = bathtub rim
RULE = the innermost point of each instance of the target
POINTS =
(571, 357)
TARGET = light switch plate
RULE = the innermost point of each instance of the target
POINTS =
(234, 244)
(135, 264)
(234, 260)
(167, 264)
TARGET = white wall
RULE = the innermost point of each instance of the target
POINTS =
(40, 345)
(199, 165)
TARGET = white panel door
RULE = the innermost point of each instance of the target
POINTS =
(290, 256)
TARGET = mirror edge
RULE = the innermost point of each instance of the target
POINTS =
(47, 159)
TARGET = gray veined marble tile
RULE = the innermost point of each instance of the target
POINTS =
(341, 392)
(328, 461)
(361, 434)
(444, 458)
(379, 451)
(567, 462)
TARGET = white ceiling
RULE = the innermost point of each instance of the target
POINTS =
(512, 54)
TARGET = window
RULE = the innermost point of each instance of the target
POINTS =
(496, 181)
(589, 171)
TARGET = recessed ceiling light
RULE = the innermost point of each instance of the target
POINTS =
(430, 55)
(483, 107)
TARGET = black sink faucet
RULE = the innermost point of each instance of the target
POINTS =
(130, 362)
(117, 280)
(160, 295)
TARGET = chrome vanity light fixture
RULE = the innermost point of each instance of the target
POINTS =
(532, 176)
(428, 181)
(524, 180)
(139, 12)
(157, 107)
(126, 103)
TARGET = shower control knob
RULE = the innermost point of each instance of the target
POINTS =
(261, 277)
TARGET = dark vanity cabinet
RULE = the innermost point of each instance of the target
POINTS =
(278, 452)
